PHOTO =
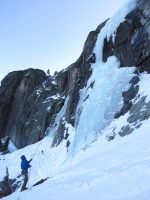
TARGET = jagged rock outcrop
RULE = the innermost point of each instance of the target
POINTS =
(8, 186)
(139, 112)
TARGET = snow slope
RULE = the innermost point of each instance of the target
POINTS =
(114, 170)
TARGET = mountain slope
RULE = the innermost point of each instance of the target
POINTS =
(112, 171)
(39, 98)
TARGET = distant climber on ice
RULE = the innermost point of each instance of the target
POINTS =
(25, 165)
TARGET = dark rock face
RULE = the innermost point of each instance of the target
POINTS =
(15, 91)
(40, 111)
(7, 90)
(132, 39)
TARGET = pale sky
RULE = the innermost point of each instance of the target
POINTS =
(47, 34)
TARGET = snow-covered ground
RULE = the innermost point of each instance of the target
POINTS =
(116, 170)
(92, 168)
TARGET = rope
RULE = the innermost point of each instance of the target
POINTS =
(34, 155)
(36, 149)
(39, 145)
(29, 172)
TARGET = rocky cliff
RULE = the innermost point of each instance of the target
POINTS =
(30, 101)
(132, 40)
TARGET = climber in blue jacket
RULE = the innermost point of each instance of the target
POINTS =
(25, 165)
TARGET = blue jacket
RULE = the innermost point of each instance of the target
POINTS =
(24, 163)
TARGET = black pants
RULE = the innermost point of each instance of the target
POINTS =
(25, 174)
